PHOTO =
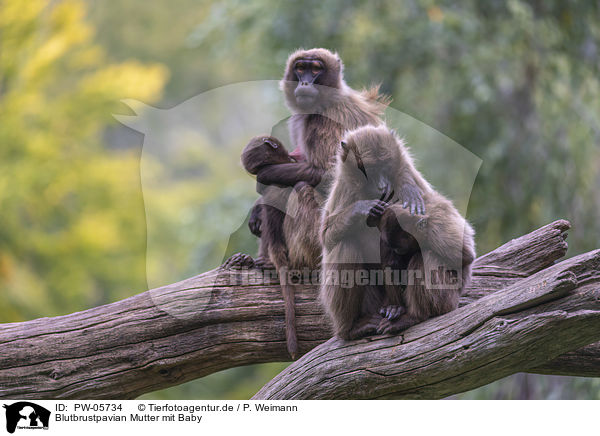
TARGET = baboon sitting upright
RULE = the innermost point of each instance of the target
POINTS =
(366, 226)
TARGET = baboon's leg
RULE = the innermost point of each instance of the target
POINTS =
(433, 294)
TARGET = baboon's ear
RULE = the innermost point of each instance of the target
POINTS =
(273, 144)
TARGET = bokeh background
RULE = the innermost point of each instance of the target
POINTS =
(515, 82)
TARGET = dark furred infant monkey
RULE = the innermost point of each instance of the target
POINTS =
(260, 152)
(362, 217)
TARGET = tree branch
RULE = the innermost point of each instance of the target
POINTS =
(214, 321)
(518, 328)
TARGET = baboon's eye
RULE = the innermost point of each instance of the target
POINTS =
(316, 67)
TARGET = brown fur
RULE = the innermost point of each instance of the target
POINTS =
(262, 151)
(316, 130)
(443, 239)
(257, 154)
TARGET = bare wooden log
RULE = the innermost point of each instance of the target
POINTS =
(517, 259)
(523, 326)
(214, 321)
(584, 362)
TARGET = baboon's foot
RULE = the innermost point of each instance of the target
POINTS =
(263, 264)
(365, 326)
(387, 327)
(392, 312)
(238, 261)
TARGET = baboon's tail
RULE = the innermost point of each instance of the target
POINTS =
(278, 256)
(290, 314)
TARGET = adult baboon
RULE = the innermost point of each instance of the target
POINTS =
(363, 217)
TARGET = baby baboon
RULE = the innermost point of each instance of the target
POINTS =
(363, 217)
(260, 152)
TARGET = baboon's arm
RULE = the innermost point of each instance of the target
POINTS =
(289, 174)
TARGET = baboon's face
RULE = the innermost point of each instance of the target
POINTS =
(312, 79)
(272, 151)
(307, 71)
(262, 151)
(371, 156)
(377, 182)
(373, 177)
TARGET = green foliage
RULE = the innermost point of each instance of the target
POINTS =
(68, 240)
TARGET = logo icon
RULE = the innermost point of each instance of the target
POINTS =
(26, 415)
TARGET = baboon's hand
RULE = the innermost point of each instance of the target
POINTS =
(371, 210)
(377, 210)
(378, 207)
(314, 177)
(412, 199)
(255, 223)
(375, 213)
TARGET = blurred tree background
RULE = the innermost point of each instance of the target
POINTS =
(515, 82)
